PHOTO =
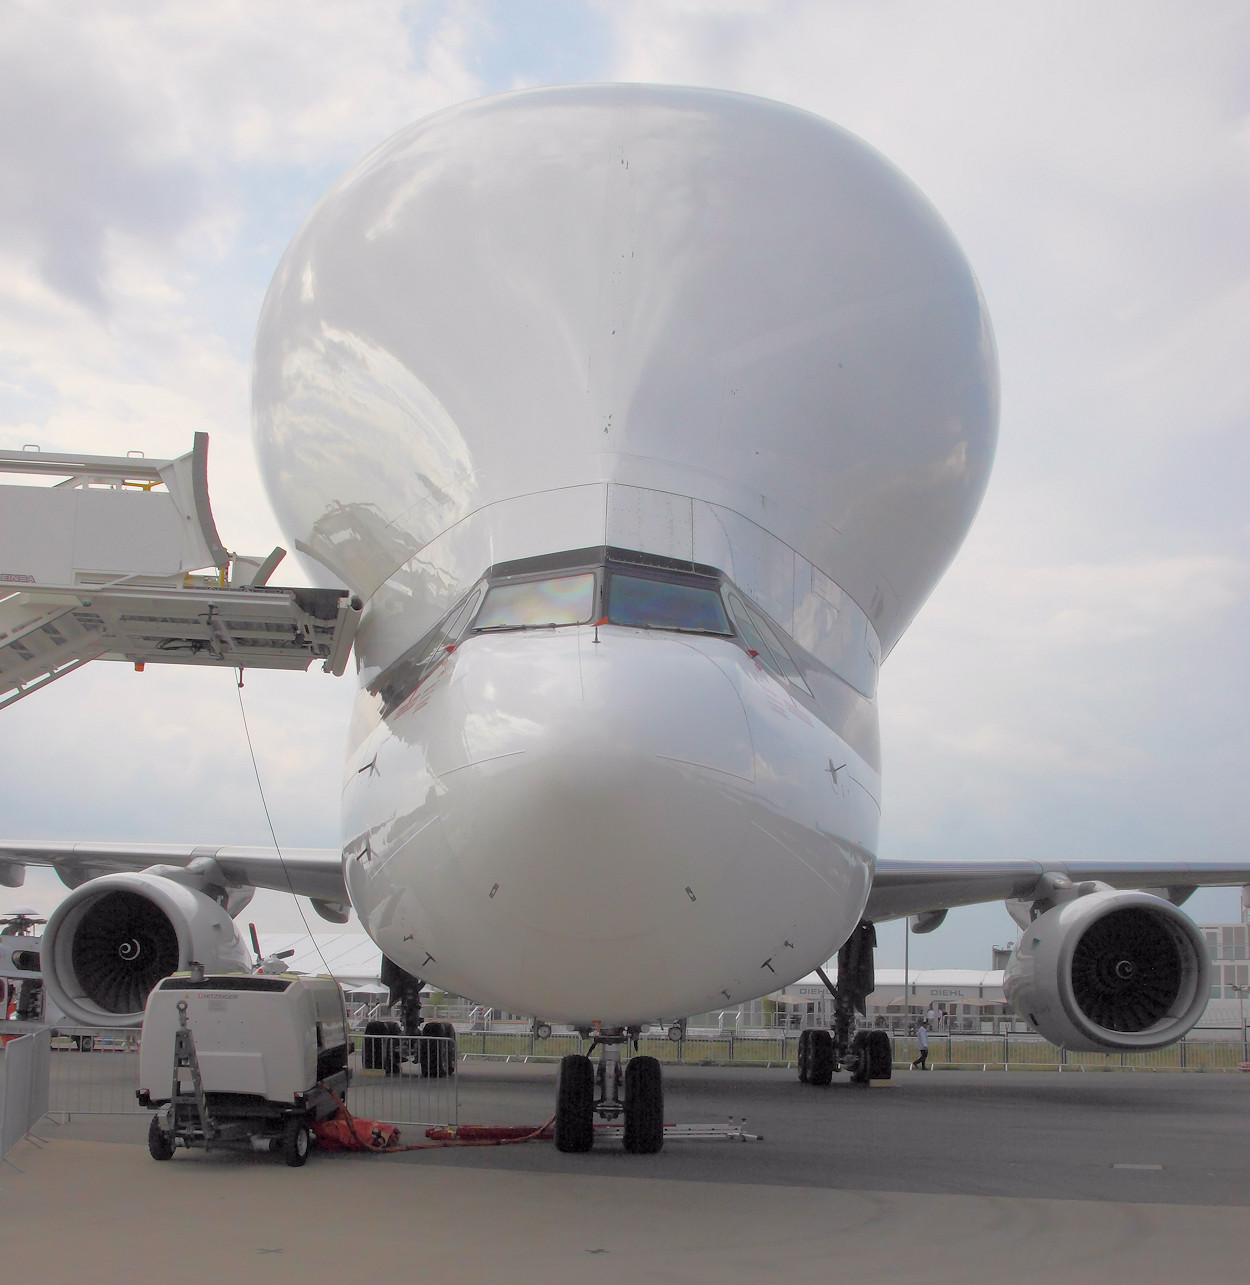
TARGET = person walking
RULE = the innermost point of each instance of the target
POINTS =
(922, 1046)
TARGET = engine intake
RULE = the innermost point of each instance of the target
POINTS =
(112, 939)
(1110, 972)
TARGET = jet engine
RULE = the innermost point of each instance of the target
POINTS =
(1110, 972)
(112, 939)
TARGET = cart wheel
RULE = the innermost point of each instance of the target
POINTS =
(160, 1143)
(294, 1144)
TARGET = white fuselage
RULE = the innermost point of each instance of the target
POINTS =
(691, 326)
(637, 827)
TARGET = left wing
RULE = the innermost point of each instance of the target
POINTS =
(916, 887)
(1105, 961)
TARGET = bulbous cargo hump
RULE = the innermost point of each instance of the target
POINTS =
(676, 319)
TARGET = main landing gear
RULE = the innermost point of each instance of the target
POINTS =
(610, 1089)
(867, 1054)
(868, 1058)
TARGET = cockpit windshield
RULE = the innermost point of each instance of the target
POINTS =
(665, 604)
(559, 600)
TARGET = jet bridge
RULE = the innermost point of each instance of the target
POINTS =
(118, 558)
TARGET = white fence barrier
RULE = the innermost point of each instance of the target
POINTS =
(403, 1079)
(771, 1048)
(411, 1081)
(24, 1100)
(396, 1079)
(94, 1072)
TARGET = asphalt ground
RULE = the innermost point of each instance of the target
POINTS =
(937, 1176)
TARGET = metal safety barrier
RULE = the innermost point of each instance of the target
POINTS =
(764, 1049)
(412, 1080)
(24, 1091)
(396, 1079)
(1023, 1052)
(405, 1079)
(93, 1071)
(775, 1048)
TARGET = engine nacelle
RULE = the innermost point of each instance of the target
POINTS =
(1110, 972)
(112, 939)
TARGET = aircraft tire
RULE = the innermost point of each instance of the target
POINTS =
(160, 1143)
(437, 1060)
(644, 1106)
(392, 1048)
(450, 1054)
(880, 1056)
(820, 1058)
(575, 1104)
(863, 1058)
(379, 1048)
(294, 1144)
(804, 1057)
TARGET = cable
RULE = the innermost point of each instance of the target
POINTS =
(535, 1135)
(277, 847)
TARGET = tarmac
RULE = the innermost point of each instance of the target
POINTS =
(941, 1176)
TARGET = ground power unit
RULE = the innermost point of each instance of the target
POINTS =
(234, 1058)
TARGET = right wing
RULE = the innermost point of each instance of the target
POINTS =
(306, 872)
(138, 912)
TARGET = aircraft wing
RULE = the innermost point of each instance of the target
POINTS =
(911, 887)
(901, 887)
(308, 872)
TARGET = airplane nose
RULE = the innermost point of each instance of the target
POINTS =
(593, 774)
(598, 802)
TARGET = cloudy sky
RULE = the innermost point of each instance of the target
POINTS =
(1076, 687)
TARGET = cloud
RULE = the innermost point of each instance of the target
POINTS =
(76, 165)
(150, 150)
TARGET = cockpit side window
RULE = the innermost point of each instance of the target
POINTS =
(761, 638)
(647, 603)
(455, 626)
(410, 670)
(556, 600)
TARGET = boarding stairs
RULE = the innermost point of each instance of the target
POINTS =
(118, 558)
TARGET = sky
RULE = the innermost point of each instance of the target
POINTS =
(1076, 686)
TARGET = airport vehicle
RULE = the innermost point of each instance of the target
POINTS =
(236, 1057)
(639, 422)
(21, 984)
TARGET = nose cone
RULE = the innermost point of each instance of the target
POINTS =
(594, 823)
(587, 779)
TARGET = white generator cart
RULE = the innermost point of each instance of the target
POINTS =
(232, 1058)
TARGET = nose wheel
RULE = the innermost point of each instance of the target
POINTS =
(644, 1106)
(575, 1104)
(631, 1093)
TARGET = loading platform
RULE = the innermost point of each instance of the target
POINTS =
(118, 558)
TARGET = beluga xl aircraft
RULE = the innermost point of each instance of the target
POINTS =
(639, 422)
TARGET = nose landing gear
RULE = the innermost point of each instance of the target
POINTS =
(610, 1090)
